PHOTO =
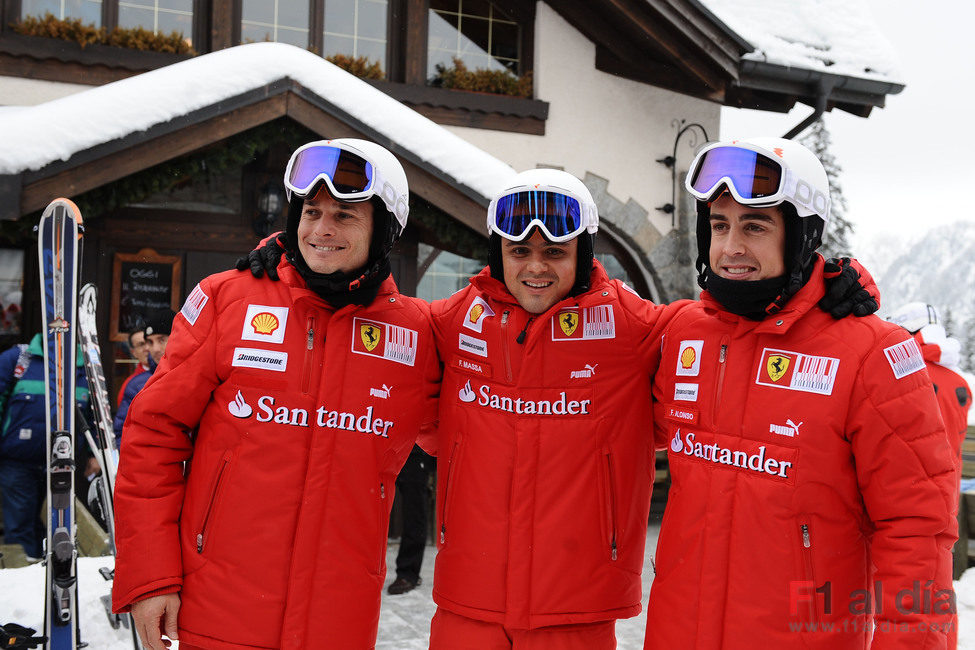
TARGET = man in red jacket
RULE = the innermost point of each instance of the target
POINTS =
(941, 354)
(545, 457)
(292, 406)
(813, 485)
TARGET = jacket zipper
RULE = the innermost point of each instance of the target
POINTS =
(611, 477)
(808, 567)
(309, 356)
(504, 344)
(446, 492)
(722, 365)
(205, 525)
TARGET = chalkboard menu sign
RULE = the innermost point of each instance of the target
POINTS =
(143, 284)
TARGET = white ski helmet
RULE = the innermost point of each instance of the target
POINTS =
(915, 315)
(382, 174)
(552, 181)
(555, 202)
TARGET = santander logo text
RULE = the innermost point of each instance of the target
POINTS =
(760, 462)
(562, 404)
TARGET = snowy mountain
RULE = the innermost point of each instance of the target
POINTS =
(937, 268)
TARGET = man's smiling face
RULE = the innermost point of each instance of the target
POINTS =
(537, 272)
(747, 243)
(334, 236)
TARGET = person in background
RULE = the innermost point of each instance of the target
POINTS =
(23, 442)
(155, 337)
(139, 351)
(941, 355)
(813, 487)
(413, 486)
(258, 464)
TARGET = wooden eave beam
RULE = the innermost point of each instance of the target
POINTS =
(83, 177)
(100, 165)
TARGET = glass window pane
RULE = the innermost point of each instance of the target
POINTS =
(38, 8)
(292, 36)
(258, 11)
(505, 40)
(372, 50)
(293, 14)
(475, 35)
(340, 17)
(283, 21)
(339, 45)
(129, 17)
(88, 11)
(442, 32)
(169, 23)
(371, 21)
(447, 273)
(474, 31)
(476, 8)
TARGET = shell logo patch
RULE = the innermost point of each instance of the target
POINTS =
(371, 335)
(476, 314)
(689, 358)
(390, 342)
(776, 366)
(574, 324)
(568, 322)
(797, 371)
(265, 323)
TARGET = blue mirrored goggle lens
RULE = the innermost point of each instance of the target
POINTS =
(754, 175)
(348, 172)
(561, 215)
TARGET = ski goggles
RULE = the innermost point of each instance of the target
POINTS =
(560, 215)
(753, 177)
(347, 174)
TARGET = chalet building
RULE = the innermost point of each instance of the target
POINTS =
(176, 158)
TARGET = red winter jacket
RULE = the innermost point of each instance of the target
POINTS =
(545, 454)
(809, 465)
(954, 394)
(295, 419)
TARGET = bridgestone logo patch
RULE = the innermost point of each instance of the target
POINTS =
(904, 358)
(260, 359)
(472, 345)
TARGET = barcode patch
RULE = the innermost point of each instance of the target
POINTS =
(598, 323)
(400, 344)
(904, 358)
(815, 374)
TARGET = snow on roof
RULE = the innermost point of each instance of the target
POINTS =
(55, 130)
(835, 36)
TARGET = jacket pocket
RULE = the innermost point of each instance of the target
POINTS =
(610, 498)
(383, 528)
(452, 463)
(809, 611)
(204, 527)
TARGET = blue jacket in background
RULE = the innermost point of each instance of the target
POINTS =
(23, 432)
(131, 389)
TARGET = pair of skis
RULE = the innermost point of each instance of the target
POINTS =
(59, 253)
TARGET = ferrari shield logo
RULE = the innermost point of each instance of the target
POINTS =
(776, 366)
(568, 322)
(370, 335)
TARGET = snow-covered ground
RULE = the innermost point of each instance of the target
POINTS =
(403, 625)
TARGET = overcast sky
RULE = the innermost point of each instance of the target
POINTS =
(897, 161)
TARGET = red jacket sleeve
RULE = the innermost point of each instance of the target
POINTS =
(157, 441)
(906, 476)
